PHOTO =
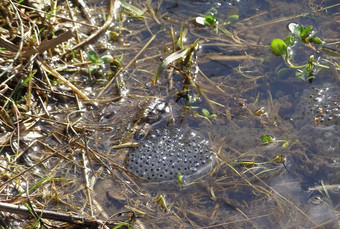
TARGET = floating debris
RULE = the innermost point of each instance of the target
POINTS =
(166, 152)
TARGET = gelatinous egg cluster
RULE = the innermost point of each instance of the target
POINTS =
(166, 152)
(324, 105)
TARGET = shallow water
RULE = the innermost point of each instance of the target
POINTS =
(267, 194)
(291, 183)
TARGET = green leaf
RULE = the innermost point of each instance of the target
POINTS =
(233, 18)
(180, 179)
(37, 185)
(317, 41)
(295, 28)
(305, 31)
(205, 112)
(209, 20)
(232, 15)
(120, 225)
(285, 145)
(106, 59)
(278, 47)
(174, 56)
(28, 79)
(92, 56)
(289, 40)
(264, 139)
(267, 139)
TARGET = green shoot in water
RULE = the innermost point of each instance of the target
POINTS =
(302, 35)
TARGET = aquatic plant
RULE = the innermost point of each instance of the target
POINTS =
(301, 35)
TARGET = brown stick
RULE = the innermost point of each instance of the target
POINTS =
(46, 44)
(53, 72)
(49, 44)
(69, 218)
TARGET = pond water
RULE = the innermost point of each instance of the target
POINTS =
(241, 82)
(271, 139)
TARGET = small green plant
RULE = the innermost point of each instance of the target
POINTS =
(97, 62)
(207, 114)
(208, 20)
(180, 179)
(107, 62)
(269, 139)
(301, 35)
(160, 199)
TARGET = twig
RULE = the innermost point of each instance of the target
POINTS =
(69, 218)
(45, 45)
(62, 79)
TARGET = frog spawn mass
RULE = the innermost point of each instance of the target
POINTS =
(166, 152)
(324, 105)
(317, 119)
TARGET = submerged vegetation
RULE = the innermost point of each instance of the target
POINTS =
(84, 83)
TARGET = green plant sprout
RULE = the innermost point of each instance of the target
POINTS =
(210, 20)
(96, 61)
(205, 112)
(303, 35)
(268, 140)
(160, 199)
(180, 179)
(99, 63)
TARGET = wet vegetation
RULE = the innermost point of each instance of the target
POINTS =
(84, 83)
